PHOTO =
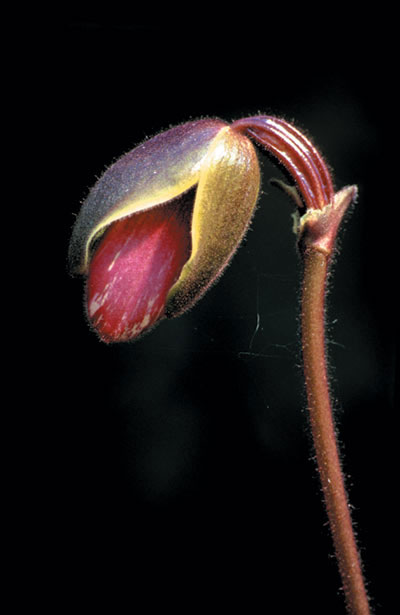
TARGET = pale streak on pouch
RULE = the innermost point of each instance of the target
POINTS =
(98, 300)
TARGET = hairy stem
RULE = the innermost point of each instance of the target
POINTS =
(320, 213)
(316, 267)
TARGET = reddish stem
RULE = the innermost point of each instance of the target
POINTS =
(316, 265)
(317, 231)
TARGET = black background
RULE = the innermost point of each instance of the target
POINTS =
(178, 470)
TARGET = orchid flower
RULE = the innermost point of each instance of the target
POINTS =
(164, 221)
(161, 225)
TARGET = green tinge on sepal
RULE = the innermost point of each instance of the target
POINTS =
(225, 201)
(153, 173)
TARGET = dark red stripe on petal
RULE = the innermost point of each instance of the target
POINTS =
(135, 264)
(296, 153)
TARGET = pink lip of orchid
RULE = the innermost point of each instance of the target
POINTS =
(152, 245)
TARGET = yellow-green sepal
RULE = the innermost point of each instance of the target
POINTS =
(225, 201)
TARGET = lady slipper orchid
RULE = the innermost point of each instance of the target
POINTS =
(163, 222)
(161, 225)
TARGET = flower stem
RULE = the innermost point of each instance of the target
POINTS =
(319, 214)
(316, 269)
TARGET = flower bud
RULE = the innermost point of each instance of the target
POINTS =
(161, 225)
